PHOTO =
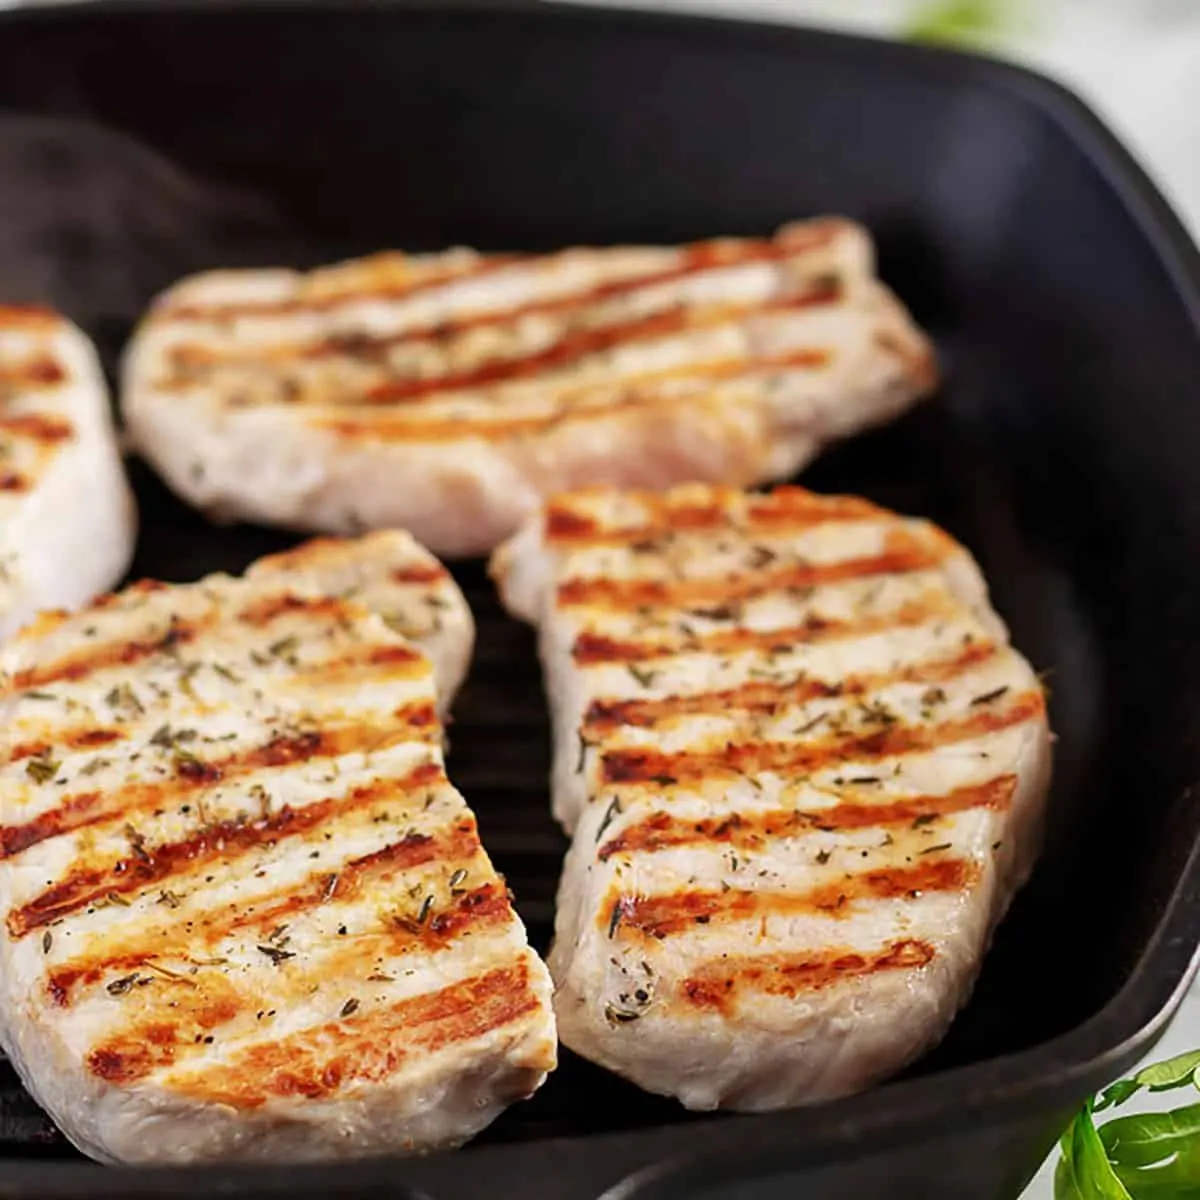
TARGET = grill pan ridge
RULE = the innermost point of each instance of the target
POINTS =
(140, 142)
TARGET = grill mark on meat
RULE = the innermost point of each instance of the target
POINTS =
(420, 573)
(28, 316)
(752, 830)
(31, 374)
(96, 658)
(42, 429)
(196, 934)
(174, 1017)
(423, 280)
(103, 656)
(783, 511)
(97, 808)
(697, 256)
(76, 739)
(396, 662)
(367, 344)
(623, 394)
(663, 916)
(83, 883)
(594, 649)
(719, 986)
(573, 346)
(903, 555)
(605, 716)
(367, 1047)
(646, 766)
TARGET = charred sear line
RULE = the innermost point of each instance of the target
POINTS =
(97, 808)
(575, 403)
(366, 1046)
(374, 346)
(31, 374)
(664, 916)
(784, 511)
(169, 311)
(224, 840)
(720, 986)
(753, 830)
(106, 656)
(904, 556)
(36, 428)
(594, 649)
(770, 696)
(885, 740)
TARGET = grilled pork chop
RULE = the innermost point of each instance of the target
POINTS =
(449, 394)
(246, 915)
(67, 521)
(805, 773)
(392, 575)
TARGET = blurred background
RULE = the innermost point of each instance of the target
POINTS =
(1137, 62)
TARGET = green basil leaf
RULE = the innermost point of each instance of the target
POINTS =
(1174, 1073)
(1150, 1138)
(1117, 1094)
(1084, 1173)
(1176, 1178)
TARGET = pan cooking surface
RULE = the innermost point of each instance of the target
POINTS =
(500, 759)
(1062, 448)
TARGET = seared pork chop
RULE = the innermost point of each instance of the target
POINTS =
(805, 773)
(449, 394)
(246, 915)
(67, 519)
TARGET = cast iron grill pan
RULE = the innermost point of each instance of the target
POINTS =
(1063, 298)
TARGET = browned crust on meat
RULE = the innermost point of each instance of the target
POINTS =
(372, 345)
(630, 394)
(92, 659)
(879, 740)
(190, 930)
(88, 881)
(903, 554)
(593, 649)
(418, 721)
(721, 986)
(659, 917)
(771, 696)
(316, 1064)
(29, 316)
(31, 374)
(698, 256)
(569, 525)
(46, 431)
(753, 830)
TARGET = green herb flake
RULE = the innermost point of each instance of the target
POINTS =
(645, 678)
(275, 954)
(42, 769)
(610, 814)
